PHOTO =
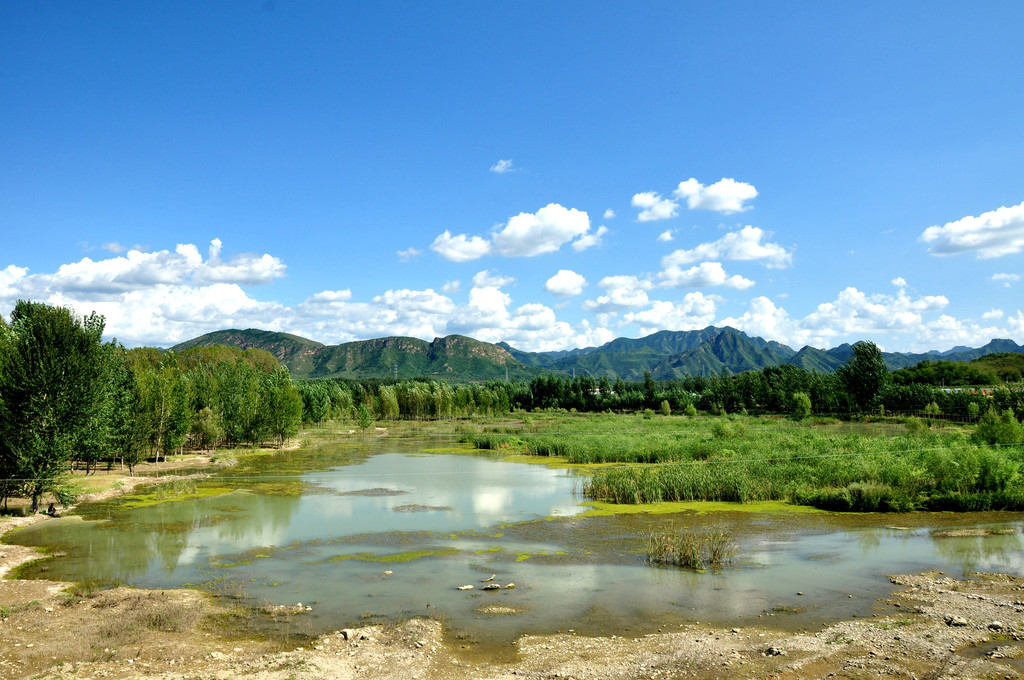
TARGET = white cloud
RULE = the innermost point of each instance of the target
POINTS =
(589, 240)
(991, 234)
(409, 254)
(725, 196)
(525, 235)
(992, 314)
(696, 310)
(745, 244)
(764, 319)
(485, 279)
(547, 230)
(460, 248)
(624, 292)
(113, 247)
(609, 214)
(665, 236)
(899, 282)
(502, 166)
(451, 287)
(653, 207)
(137, 270)
(565, 283)
(704, 275)
(1007, 279)
(854, 312)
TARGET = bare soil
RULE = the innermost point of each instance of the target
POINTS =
(932, 626)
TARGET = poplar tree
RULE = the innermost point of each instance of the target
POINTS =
(50, 385)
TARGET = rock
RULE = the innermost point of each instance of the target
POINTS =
(488, 579)
(389, 573)
(995, 625)
(348, 634)
(775, 651)
(464, 587)
(952, 620)
(492, 586)
(511, 586)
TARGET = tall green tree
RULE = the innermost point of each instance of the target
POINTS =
(50, 383)
(865, 374)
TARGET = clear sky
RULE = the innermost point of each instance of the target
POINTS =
(551, 174)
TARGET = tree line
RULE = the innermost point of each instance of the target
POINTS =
(69, 399)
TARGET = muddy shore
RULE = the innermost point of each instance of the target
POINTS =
(931, 626)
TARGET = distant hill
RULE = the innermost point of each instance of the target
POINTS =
(454, 357)
(666, 354)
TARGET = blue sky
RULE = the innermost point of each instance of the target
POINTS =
(554, 175)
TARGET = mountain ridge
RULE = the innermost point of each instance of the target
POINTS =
(665, 354)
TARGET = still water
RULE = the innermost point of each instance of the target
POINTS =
(372, 535)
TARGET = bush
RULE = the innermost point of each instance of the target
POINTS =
(994, 429)
(801, 407)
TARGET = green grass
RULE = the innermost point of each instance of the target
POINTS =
(740, 459)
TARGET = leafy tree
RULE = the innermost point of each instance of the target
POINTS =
(363, 417)
(996, 429)
(50, 369)
(283, 405)
(801, 405)
(864, 375)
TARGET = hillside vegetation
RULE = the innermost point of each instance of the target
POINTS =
(665, 355)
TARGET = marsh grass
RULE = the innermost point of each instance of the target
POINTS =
(745, 459)
(711, 548)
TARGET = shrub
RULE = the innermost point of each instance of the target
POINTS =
(801, 405)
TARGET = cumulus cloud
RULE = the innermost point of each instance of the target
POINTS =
(665, 236)
(695, 310)
(745, 244)
(854, 312)
(725, 196)
(991, 234)
(653, 207)
(502, 166)
(565, 283)
(764, 319)
(485, 279)
(704, 275)
(590, 240)
(623, 293)
(547, 230)
(992, 314)
(524, 235)
(609, 214)
(451, 287)
(460, 248)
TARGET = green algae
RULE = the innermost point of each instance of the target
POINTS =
(156, 497)
(604, 509)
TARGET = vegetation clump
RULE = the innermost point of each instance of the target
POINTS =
(711, 548)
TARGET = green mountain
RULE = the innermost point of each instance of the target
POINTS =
(665, 354)
(455, 357)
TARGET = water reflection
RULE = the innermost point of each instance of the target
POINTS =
(439, 521)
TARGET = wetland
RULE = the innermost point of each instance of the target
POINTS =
(353, 531)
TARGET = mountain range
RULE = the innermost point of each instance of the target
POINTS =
(666, 354)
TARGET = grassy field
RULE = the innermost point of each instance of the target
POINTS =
(825, 464)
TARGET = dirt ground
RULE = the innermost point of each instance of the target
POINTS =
(932, 626)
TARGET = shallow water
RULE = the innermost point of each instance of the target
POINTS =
(326, 537)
